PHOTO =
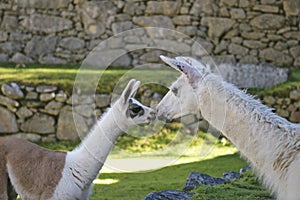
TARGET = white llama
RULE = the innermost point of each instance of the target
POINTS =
(36, 173)
(270, 143)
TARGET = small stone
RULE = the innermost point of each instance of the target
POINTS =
(269, 100)
(49, 138)
(231, 176)
(195, 179)
(61, 97)
(283, 113)
(31, 96)
(102, 100)
(46, 88)
(47, 96)
(21, 58)
(268, 21)
(39, 123)
(295, 117)
(53, 105)
(84, 110)
(8, 122)
(80, 99)
(8, 102)
(169, 194)
(295, 95)
(72, 43)
(217, 26)
(12, 91)
(24, 113)
(237, 13)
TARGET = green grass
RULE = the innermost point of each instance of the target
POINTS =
(134, 186)
(245, 188)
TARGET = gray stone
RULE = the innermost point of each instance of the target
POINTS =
(182, 20)
(80, 99)
(12, 91)
(231, 3)
(295, 51)
(46, 88)
(71, 126)
(269, 100)
(8, 122)
(237, 49)
(203, 6)
(28, 136)
(168, 8)
(169, 194)
(268, 21)
(39, 46)
(8, 102)
(3, 57)
(72, 43)
(39, 123)
(84, 110)
(297, 62)
(47, 23)
(21, 58)
(122, 61)
(292, 35)
(118, 27)
(24, 113)
(10, 47)
(154, 21)
(53, 105)
(231, 176)
(237, 13)
(252, 35)
(266, 8)
(102, 100)
(295, 95)
(45, 4)
(3, 36)
(196, 179)
(47, 96)
(151, 56)
(175, 46)
(276, 56)
(244, 169)
(32, 104)
(254, 44)
(61, 97)
(291, 7)
(217, 26)
(31, 96)
(134, 8)
(187, 30)
(9, 23)
(50, 59)
(201, 48)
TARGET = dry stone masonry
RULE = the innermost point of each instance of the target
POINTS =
(64, 31)
(47, 113)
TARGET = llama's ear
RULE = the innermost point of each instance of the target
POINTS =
(130, 90)
(184, 66)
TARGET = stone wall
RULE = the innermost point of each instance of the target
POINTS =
(46, 113)
(64, 31)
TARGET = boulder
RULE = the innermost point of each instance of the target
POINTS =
(39, 123)
(217, 26)
(268, 21)
(278, 57)
(168, 8)
(12, 91)
(21, 58)
(195, 179)
(72, 43)
(8, 102)
(71, 126)
(8, 122)
(46, 23)
(169, 194)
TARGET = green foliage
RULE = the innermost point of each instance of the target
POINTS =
(245, 188)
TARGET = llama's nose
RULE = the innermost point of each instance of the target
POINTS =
(152, 116)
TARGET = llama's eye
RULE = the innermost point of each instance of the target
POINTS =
(175, 91)
(135, 110)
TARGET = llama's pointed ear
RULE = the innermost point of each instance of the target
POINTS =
(181, 64)
(130, 90)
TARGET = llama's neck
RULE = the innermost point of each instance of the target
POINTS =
(251, 126)
(91, 154)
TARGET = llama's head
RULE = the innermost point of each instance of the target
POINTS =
(181, 98)
(131, 109)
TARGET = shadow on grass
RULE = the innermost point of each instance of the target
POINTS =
(133, 186)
